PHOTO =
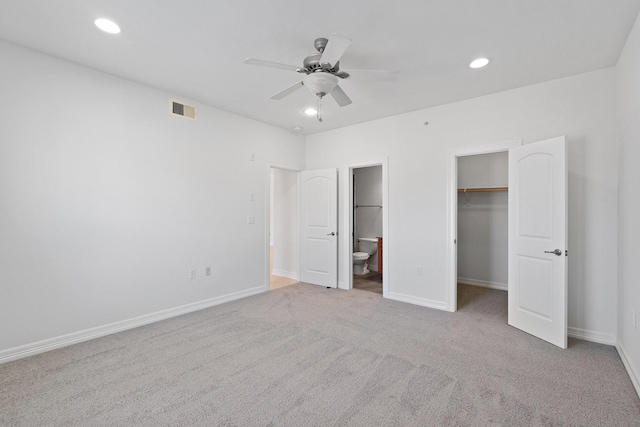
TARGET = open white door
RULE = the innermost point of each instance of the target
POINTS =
(538, 240)
(319, 227)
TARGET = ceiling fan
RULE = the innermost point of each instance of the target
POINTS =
(322, 71)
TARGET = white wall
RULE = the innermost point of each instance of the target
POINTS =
(483, 218)
(581, 107)
(484, 170)
(369, 220)
(107, 201)
(286, 225)
(628, 95)
(271, 205)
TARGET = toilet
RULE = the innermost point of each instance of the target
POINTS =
(367, 246)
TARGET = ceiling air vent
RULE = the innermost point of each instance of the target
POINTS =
(183, 110)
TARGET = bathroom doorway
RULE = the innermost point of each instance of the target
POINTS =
(284, 230)
(367, 228)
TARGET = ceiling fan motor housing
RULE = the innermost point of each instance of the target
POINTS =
(312, 64)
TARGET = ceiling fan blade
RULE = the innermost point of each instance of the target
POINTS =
(270, 64)
(379, 75)
(336, 46)
(288, 91)
(341, 98)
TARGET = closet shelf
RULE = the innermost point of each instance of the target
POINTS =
(482, 189)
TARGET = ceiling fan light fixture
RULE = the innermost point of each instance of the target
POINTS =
(479, 63)
(310, 111)
(107, 25)
(320, 84)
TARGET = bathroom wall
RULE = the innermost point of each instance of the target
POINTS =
(285, 233)
(483, 221)
(368, 221)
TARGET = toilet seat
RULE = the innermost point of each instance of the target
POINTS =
(360, 255)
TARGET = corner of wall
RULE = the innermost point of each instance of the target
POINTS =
(627, 111)
(633, 373)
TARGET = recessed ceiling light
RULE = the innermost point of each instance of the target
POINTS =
(479, 63)
(107, 25)
(310, 111)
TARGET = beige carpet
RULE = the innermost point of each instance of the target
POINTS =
(305, 355)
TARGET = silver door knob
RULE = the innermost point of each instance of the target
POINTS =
(557, 252)
(332, 233)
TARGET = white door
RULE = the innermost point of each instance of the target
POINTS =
(538, 240)
(319, 227)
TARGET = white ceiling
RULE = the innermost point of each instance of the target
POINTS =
(195, 48)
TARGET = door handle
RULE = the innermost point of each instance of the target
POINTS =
(332, 233)
(557, 252)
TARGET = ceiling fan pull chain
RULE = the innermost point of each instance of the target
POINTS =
(319, 106)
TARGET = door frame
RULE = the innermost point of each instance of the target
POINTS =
(267, 208)
(345, 249)
(452, 216)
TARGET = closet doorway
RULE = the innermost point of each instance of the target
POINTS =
(284, 229)
(482, 231)
(536, 235)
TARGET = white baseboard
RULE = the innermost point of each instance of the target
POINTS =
(631, 370)
(112, 328)
(424, 302)
(288, 274)
(484, 284)
(592, 336)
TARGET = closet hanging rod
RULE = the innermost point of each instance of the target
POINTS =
(368, 206)
(482, 189)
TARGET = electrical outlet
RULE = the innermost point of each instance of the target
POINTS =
(634, 319)
(419, 271)
(207, 271)
(251, 219)
(192, 273)
(252, 197)
(253, 157)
